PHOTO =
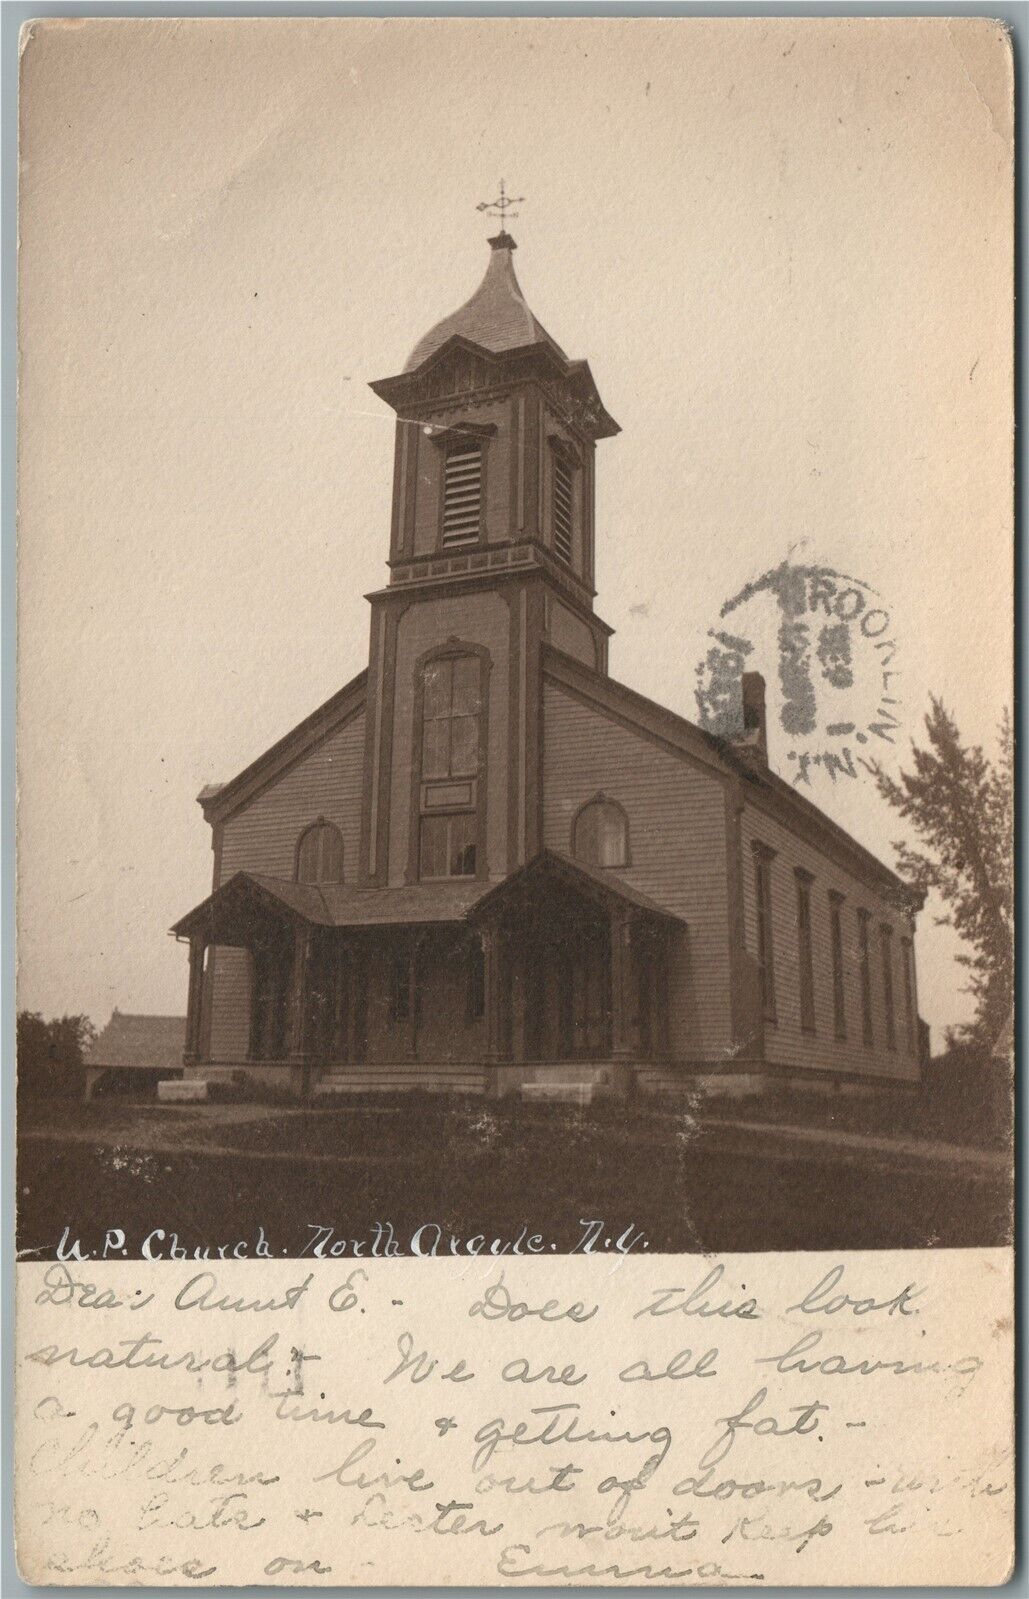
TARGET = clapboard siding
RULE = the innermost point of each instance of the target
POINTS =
(569, 633)
(677, 841)
(262, 837)
(786, 1043)
(230, 1004)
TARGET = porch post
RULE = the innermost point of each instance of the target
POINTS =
(299, 1055)
(360, 979)
(414, 990)
(622, 1043)
(660, 991)
(194, 999)
(345, 971)
(492, 956)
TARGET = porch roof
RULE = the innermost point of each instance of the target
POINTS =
(414, 904)
(596, 883)
(333, 904)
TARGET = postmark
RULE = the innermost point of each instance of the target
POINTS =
(836, 678)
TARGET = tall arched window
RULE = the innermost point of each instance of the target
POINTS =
(320, 854)
(600, 834)
(449, 777)
(450, 729)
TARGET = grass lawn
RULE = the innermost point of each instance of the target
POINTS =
(214, 1173)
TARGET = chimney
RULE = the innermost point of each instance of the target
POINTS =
(755, 735)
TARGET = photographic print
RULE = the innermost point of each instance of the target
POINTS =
(515, 801)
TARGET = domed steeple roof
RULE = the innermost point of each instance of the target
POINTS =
(511, 344)
(496, 317)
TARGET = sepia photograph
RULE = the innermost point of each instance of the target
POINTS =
(515, 1005)
(515, 686)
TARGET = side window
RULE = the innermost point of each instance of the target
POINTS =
(805, 950)
(600, 834)
(320, 854)
(839, 1001)
(763, 857)
(886, 935)
(865, 965)
(907, 960)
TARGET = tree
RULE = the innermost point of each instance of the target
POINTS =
(50, 1054)
(961, 806)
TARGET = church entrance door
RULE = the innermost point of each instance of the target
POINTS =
(585, 998)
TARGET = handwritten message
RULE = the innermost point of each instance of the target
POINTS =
(676, 1420)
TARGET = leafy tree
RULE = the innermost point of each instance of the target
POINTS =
(50, 1054)
(961, 806)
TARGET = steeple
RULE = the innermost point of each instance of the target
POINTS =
(496, 435)
(497, 323)
(491, 560)
(496, 318)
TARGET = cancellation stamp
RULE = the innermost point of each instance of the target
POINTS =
(835, 647)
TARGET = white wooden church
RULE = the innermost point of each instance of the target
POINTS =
(484, 864)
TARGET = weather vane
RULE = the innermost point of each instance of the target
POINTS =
(501, 207)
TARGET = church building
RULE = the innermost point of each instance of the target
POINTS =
(484, 864)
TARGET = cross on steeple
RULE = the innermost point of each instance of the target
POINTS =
(501, 206)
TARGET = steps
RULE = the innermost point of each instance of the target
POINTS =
(553, 1092)
(179, 1091)
(567, 1082)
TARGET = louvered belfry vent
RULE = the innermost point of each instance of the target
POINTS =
(462, 495)
(562, 509)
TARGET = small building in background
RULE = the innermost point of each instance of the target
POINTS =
(134, 1052)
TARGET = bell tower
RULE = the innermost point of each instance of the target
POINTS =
(491, 554)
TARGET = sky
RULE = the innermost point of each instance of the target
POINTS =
(784, 246)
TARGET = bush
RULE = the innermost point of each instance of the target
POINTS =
(968, 1095)
(50, 1055)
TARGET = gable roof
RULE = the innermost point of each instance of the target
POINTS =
(763, 786)
(410, 904)
(334, 904)
(219, 800)
(804, 817)
(645, 715)
(595, 882)
(135, 1040)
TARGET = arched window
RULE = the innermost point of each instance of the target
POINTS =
(600, 834)
(450, 729)
(449, 777)
(320, 854)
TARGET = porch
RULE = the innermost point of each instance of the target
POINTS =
(556, 975)
(576, 966)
